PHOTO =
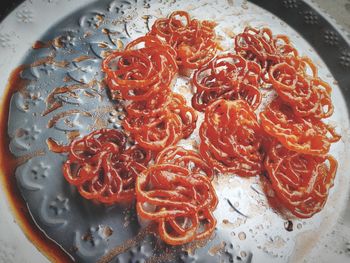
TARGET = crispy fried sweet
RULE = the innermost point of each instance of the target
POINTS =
(308, 96)
(300, 182)
(231, 138)
(180, 201)
(228, 77)
(194, 40)
(143, 71)
(261, 46)
(303, 135)
(103, 167)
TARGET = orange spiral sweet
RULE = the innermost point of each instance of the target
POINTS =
(193, 40)
(181, 202)
(103, 168)
(300, 182)
(228, 77)
(261, 46)
(303, 135)
(145, 68)
(308, 96)
(231, 138)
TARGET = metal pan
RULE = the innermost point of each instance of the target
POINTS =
(69, 55)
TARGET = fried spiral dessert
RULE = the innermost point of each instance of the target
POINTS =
(299, 182)
(103, 167)
(193, 40)
(180, 201)
(231, 138)
(145, 69)
(308, 96)
(261, 46)
(303, 135)
(228, 77)
(163, 127)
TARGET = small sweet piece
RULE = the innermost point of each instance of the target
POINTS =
(157, 129)
(231, 138)
(308, 96)
(143, 71)
(194, 40)
(303, 135)
(228, 77)
(155, 132)
(261, 46)
(297, 182)
(103, 168)
(180, 201)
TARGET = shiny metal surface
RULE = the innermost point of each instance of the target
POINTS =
(65, 95)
